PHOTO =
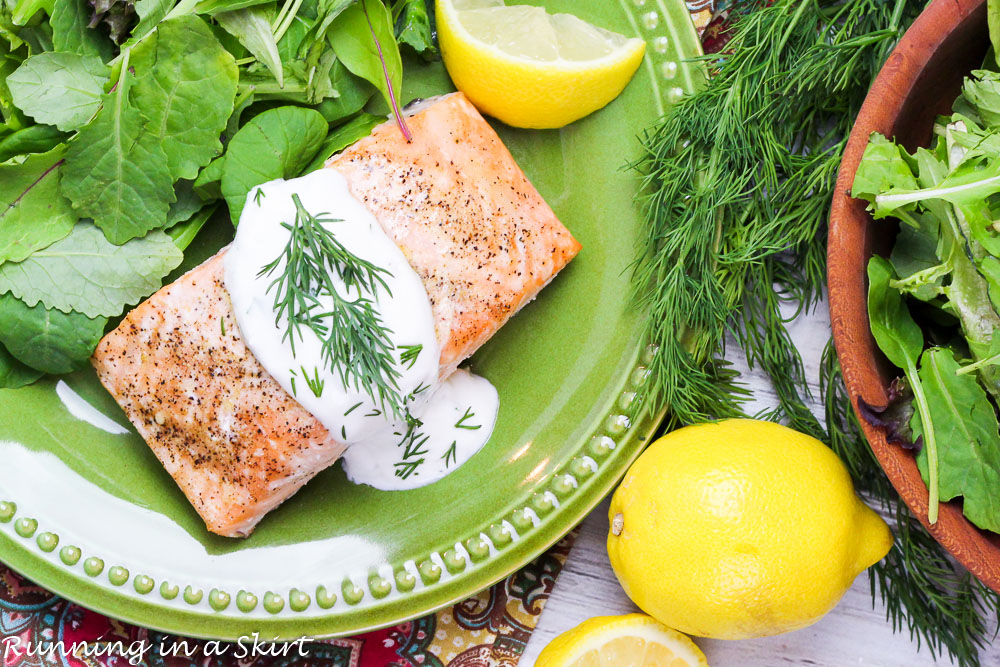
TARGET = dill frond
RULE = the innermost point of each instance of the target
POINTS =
(355, 344)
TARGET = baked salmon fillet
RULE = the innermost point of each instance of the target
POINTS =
(468, 221)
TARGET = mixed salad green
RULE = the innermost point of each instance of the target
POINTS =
(934, 303)
(127, 124)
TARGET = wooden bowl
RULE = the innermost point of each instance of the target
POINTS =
(921, 79)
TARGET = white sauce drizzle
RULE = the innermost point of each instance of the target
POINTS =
(379, 453)
(84, 411)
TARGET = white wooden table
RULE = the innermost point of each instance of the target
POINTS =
(854, 633)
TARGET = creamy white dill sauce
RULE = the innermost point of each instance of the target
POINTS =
(382, 452)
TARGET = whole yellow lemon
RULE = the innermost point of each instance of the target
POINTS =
(740, 529)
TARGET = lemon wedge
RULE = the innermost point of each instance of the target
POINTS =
(633, 640)
(529, 68)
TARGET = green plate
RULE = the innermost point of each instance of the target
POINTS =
(87, 511)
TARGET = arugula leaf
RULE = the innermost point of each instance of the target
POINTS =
(968, 184)
(85, 273)
(48, 340)
(70, 32)
(915, 258)
(932, 167)
(366, 44)
(183, 233)
(318, 84)
(61, 89)
(901, 340)
(116, 173)
(210, 7)
(966, 429)
(186, 89)
(243, 101)
(278, 143)
(989, 267)
(10, 60)
(326, 12)
(413, 26)
(897, 334)
(882, 169)
(982, 90)
(188, 203)
(353, 94)
(344, 136)
(150, 13)
(33, 212)
(31, 139)
(36, 35)
(23, 11)
(208, 185)
(13, 373)
(253, 28)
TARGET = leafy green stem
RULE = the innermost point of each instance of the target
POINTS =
(976, 365)
(285, 17)
(388, 78)
(930, 442)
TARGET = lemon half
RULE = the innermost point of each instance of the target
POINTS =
(633, 640)
(529, 68)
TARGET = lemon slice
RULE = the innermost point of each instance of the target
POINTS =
(530, 68)
(633, 640)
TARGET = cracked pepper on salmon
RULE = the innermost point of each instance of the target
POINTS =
(468, 221)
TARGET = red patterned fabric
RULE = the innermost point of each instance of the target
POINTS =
(489, 629)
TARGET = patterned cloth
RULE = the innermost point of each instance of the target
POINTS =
(487, 630)
(490, 629)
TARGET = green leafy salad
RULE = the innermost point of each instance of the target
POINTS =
(128, 124)
(934, 303)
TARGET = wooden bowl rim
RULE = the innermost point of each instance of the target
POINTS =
(856, 349)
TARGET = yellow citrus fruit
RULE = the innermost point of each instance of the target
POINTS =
(530, 68)
(633, 640)
(740, 529)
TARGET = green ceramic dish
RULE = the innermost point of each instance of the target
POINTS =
(88, 512)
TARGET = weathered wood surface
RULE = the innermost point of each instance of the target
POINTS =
(854, 633)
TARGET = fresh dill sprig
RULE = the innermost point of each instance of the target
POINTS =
(738, 179)
(409, 354)
(737, 183)
(405, 469)
(451, 454)
(421, 388)
(355, 343)
(412, 443)
(314, 382)
(469, 414)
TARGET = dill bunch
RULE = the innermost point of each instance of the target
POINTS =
(738, 179)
